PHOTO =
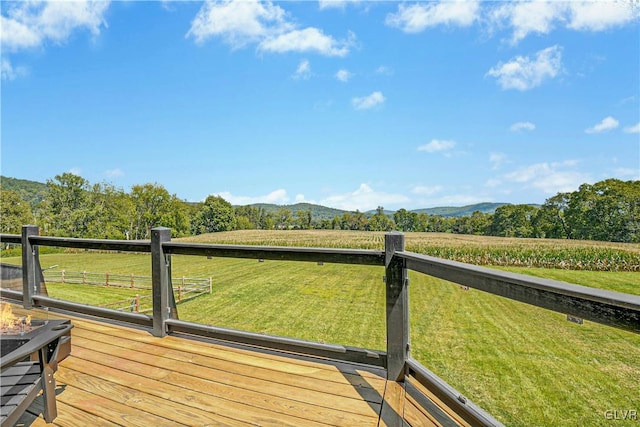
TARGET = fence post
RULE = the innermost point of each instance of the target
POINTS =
(62, 276)
(397, 307)
(29, 266)
(160, 280)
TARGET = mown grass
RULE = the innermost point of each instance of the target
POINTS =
(526, 366)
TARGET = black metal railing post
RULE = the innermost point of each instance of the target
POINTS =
(30, 264)
(160, 280)
(397, 306)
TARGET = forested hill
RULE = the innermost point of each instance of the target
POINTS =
(322, 212)
(317, 212)
(34, 192)
(30, 191)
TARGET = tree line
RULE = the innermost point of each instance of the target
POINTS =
(608, 210)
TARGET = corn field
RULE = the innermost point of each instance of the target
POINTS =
(479, 250)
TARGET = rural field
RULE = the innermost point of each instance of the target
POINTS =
(524, 365)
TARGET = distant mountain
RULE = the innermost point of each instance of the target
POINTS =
(322, 212)
(30, 191)
(317, 212)
(452, 211)
(34, 192)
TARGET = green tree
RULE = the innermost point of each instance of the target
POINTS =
(153, 206)
(405, 220)
(14, 212)
(380, 221)
(216, 214)
(607, 210)
(303, 219)
(550, 221)
(513, 221)
(68, 205)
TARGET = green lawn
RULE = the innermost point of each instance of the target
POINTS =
(525, 365)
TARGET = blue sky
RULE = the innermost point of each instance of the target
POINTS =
(348, 104)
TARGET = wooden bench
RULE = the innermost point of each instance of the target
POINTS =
(27, 370)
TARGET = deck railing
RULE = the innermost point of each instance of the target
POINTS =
(606, 307)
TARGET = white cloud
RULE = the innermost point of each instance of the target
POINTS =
(384, 70)
(517, 127)
(278, 197)
(627, 173)
(526, 17)
(633, 129)
(308, 40)
(335, 4)
(607, 124)
(600, 15)
(363, 199)
(300, 198)
(497, 159)
(542, 17)
(30, 24)
(76, 171)
(417, 17)
(423, 190)
(114, 173)
(368, 102)
(303, 71)
(437, 145)
(9, 72)
(238, 22)
(343, 75)
(524, 73)
(243, 22)
(550, 178)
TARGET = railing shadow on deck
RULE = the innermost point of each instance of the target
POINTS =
(606, 307)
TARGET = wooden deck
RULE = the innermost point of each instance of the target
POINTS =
(119, 375)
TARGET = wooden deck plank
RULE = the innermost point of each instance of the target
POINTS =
(168, 406)
(121, 375)
(281, 384)
(266, 359)
(203, 380)
(392, 413)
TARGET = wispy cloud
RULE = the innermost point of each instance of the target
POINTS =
(524, 73)
(497, 160)
(30, 24)
(550, 178)
(424, 190)
(364, 198)
(542, 17)
(243, 22)
(520, 126)
(34, 24)
(303, 71)
(335, 4)
(384, 70)
(307, 40)
(344, 75)
(9, 72)
(607, 124)
(633, 129)
(114, 173)
(368, 102)
(278, 197)
(419, 16)
(437, 146)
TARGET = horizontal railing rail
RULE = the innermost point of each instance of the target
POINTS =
(597, 305)
(606, 307)
(278, 253)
